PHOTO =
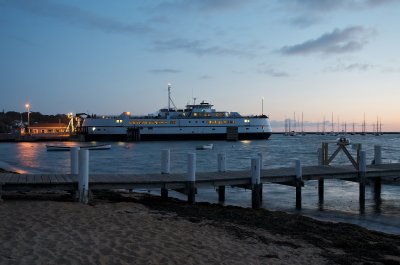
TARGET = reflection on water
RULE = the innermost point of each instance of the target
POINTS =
(27, 154)
(340, 200)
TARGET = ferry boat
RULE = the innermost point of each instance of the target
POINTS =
(195, 122)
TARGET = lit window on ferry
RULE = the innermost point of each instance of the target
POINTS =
(119, 121)
(246, 120)
(172, 122)
(220, 122)
(147, 122)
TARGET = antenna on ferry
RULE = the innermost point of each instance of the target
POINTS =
(169, 96)
(262, 106)
(194, 101)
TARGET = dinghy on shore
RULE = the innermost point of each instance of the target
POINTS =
(68, 148)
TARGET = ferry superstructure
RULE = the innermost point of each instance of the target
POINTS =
(195, 122)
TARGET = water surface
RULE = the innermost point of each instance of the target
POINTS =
(341, 197)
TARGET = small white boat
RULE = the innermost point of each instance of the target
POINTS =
(68, 148)
(343, 140)
(205, 147)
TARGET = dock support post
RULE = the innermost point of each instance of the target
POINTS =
(321, 179)
(299, 177)
(75, 159)
(255, 183)
(362, 175)
(377, 180)
(165, 169)
(75, 167)
(325, 156)
(83, 176)
(260, 155)
(221, 168)
(191, 178)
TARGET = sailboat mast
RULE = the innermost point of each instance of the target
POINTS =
(294, 121)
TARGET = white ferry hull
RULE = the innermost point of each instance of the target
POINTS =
(99, 129)
(175, 137)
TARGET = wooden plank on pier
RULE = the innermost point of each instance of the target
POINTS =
(68, 178)
(5, 177)
(38, 179)
(22, 179)
(60, 178)
(45, 179)
(13, 178)
(30, 179)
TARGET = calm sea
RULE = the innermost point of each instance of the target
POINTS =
(341, 197)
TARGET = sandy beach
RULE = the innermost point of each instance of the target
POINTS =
(123, 228)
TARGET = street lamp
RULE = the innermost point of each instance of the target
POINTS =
(27, 106)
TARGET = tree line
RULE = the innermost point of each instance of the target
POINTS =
(12, 120)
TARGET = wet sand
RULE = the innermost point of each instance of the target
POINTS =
(123, 228)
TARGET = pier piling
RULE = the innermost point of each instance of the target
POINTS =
(255, 183)
(75, 159)
(377, 180)
(260, 155)
(362, 176)
(191, 178)
(165, 169)
(221, 168)
(299, 180)
(83, 176)
(321, 179)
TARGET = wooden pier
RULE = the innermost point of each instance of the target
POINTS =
(80, 182)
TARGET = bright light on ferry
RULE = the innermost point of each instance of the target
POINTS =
(94, 128)
(247, 121)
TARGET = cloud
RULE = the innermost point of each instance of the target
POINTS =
(77, 16)
(165, 71)
(273, 72)
(329, 5)
(205, 6)
(205, 77)
(342, 67)
(311, 12)
(304, 21)
(197, 47)
(338, 41)
(21, 40)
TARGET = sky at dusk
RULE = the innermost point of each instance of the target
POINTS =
(315, 57)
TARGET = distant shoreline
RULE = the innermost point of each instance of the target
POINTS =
(357, 133)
